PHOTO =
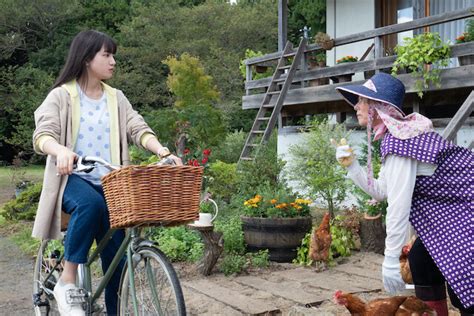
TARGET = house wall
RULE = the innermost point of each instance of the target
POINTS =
(345, 17)
(288, 136)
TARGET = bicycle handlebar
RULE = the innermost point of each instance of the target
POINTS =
(88, 163)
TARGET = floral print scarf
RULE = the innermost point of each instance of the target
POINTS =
(401, 127)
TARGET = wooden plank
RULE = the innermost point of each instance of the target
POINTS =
(199, 304)
(451, 78)
(379, 63)
(247, 304)
(289, 289)
(282, 24)
(391, 29)
(330, 280)
(461, 115)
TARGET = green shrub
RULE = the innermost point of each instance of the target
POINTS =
(25, 242)
(314, 167)
(24, 206)
(178, 243)
(233, 235)
(342, 241)
(302, 252)
(229, 150)
(232, 264)
(265, 169)
(260, 259)
(224, 180)
(365, 202)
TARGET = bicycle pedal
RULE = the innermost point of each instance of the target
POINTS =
(97, 308)
(76, 296)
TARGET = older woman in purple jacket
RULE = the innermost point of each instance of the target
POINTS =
(426, 180)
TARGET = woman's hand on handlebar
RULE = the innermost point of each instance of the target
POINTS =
(176, 159)
(65, 159)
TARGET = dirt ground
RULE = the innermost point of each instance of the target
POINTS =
(282, 289)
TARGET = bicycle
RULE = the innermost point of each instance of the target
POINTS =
(149, 284)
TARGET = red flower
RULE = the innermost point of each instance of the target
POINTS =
(195, 162)
(186, 151)
(204, 160)
(206, 152)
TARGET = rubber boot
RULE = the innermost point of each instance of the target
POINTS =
(434, 297)
(440, 307)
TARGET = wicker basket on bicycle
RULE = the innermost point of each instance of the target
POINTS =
(153, 195)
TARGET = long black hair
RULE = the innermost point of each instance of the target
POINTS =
(83, 48)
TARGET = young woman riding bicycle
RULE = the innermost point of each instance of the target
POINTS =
(84, 116)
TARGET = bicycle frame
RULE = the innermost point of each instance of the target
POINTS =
(131, 245)
(130, 242)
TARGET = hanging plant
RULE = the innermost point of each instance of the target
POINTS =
(422, 55)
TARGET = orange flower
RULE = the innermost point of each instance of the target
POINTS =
(273, 201)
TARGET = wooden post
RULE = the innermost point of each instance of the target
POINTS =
(248, 77)
(282, 24)
(378, 50)
(213, 247)
(419, 11)
(372, 234)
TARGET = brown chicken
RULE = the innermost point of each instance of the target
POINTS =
(404, 265)
(390, 306)
(321, 241)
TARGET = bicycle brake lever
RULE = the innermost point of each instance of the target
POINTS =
(80, 167)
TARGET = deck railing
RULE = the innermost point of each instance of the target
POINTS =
(379, 61)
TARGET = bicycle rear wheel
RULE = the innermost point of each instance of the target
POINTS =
(43, 286)
(157, 287)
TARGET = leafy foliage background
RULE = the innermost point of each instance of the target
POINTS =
(35, 36)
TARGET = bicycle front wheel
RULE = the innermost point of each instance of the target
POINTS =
(157, 288)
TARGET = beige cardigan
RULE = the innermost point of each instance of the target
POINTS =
(58, 118)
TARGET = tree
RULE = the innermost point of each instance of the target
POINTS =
(200, 123)
(314, 167)
(188, 82)
(311, 13)
(24, 92)
(215, 32)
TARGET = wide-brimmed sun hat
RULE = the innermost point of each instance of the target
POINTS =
(381, 87)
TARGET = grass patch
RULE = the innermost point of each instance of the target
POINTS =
(20, 233)
(9, 176)
(22, 238)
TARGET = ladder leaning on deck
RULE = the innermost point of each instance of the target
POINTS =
(268, 113)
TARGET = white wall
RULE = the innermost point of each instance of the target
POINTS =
(346, 17)
(288, 136)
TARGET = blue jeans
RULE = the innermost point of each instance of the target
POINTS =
(89, 220)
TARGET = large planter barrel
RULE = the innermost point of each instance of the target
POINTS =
(281, 236)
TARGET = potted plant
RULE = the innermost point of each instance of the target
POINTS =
(465, 37)
(276, 220)
(344, 77)
(260, 71)
(324, 40)
(317, 61)
(422, 55)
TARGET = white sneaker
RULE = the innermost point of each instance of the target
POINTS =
(69, 299)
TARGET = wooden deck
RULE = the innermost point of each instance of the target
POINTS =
(456, 83)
